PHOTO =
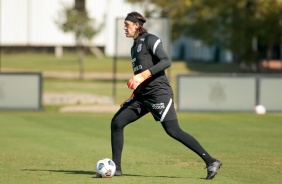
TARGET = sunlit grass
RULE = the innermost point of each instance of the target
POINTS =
(51, 147)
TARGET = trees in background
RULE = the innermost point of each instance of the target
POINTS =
(243, 26)
(77, 21)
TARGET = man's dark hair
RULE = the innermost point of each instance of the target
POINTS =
(138, 16)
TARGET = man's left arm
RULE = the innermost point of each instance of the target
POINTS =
(155, 46)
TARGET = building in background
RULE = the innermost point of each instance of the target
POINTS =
(32, 23)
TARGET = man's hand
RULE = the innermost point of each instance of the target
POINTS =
(134, 82)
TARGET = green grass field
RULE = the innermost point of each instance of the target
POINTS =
(51, 147)
(58, 148)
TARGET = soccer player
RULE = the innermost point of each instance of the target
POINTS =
(152, 94)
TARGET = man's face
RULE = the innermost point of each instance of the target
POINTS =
(130, 29)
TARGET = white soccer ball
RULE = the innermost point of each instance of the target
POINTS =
(105, 168)
(260, 109)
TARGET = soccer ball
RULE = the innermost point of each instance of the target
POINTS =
(260, 109)
(105, 168)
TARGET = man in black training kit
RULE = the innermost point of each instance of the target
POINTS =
(152, 93)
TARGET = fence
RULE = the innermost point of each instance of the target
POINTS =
(20, 91)
(229, 92)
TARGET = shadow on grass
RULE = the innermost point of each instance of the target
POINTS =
(94, 173)
(64, 171)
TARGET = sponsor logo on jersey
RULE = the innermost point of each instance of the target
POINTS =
(133, 62)
(139, 67)
(142, 39)
(139, 48)
(158, 106)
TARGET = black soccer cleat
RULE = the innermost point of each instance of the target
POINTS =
(118, 173)
(213, 169)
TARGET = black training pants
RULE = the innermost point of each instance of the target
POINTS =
(126, 116)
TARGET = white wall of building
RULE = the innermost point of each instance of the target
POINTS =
(32, 22)
(116, 9)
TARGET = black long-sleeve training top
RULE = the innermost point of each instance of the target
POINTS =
(147, 52)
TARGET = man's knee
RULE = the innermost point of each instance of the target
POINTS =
(172, 128)
(116, 124)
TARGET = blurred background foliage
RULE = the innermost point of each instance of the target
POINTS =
(77, 21)
(243, 26)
